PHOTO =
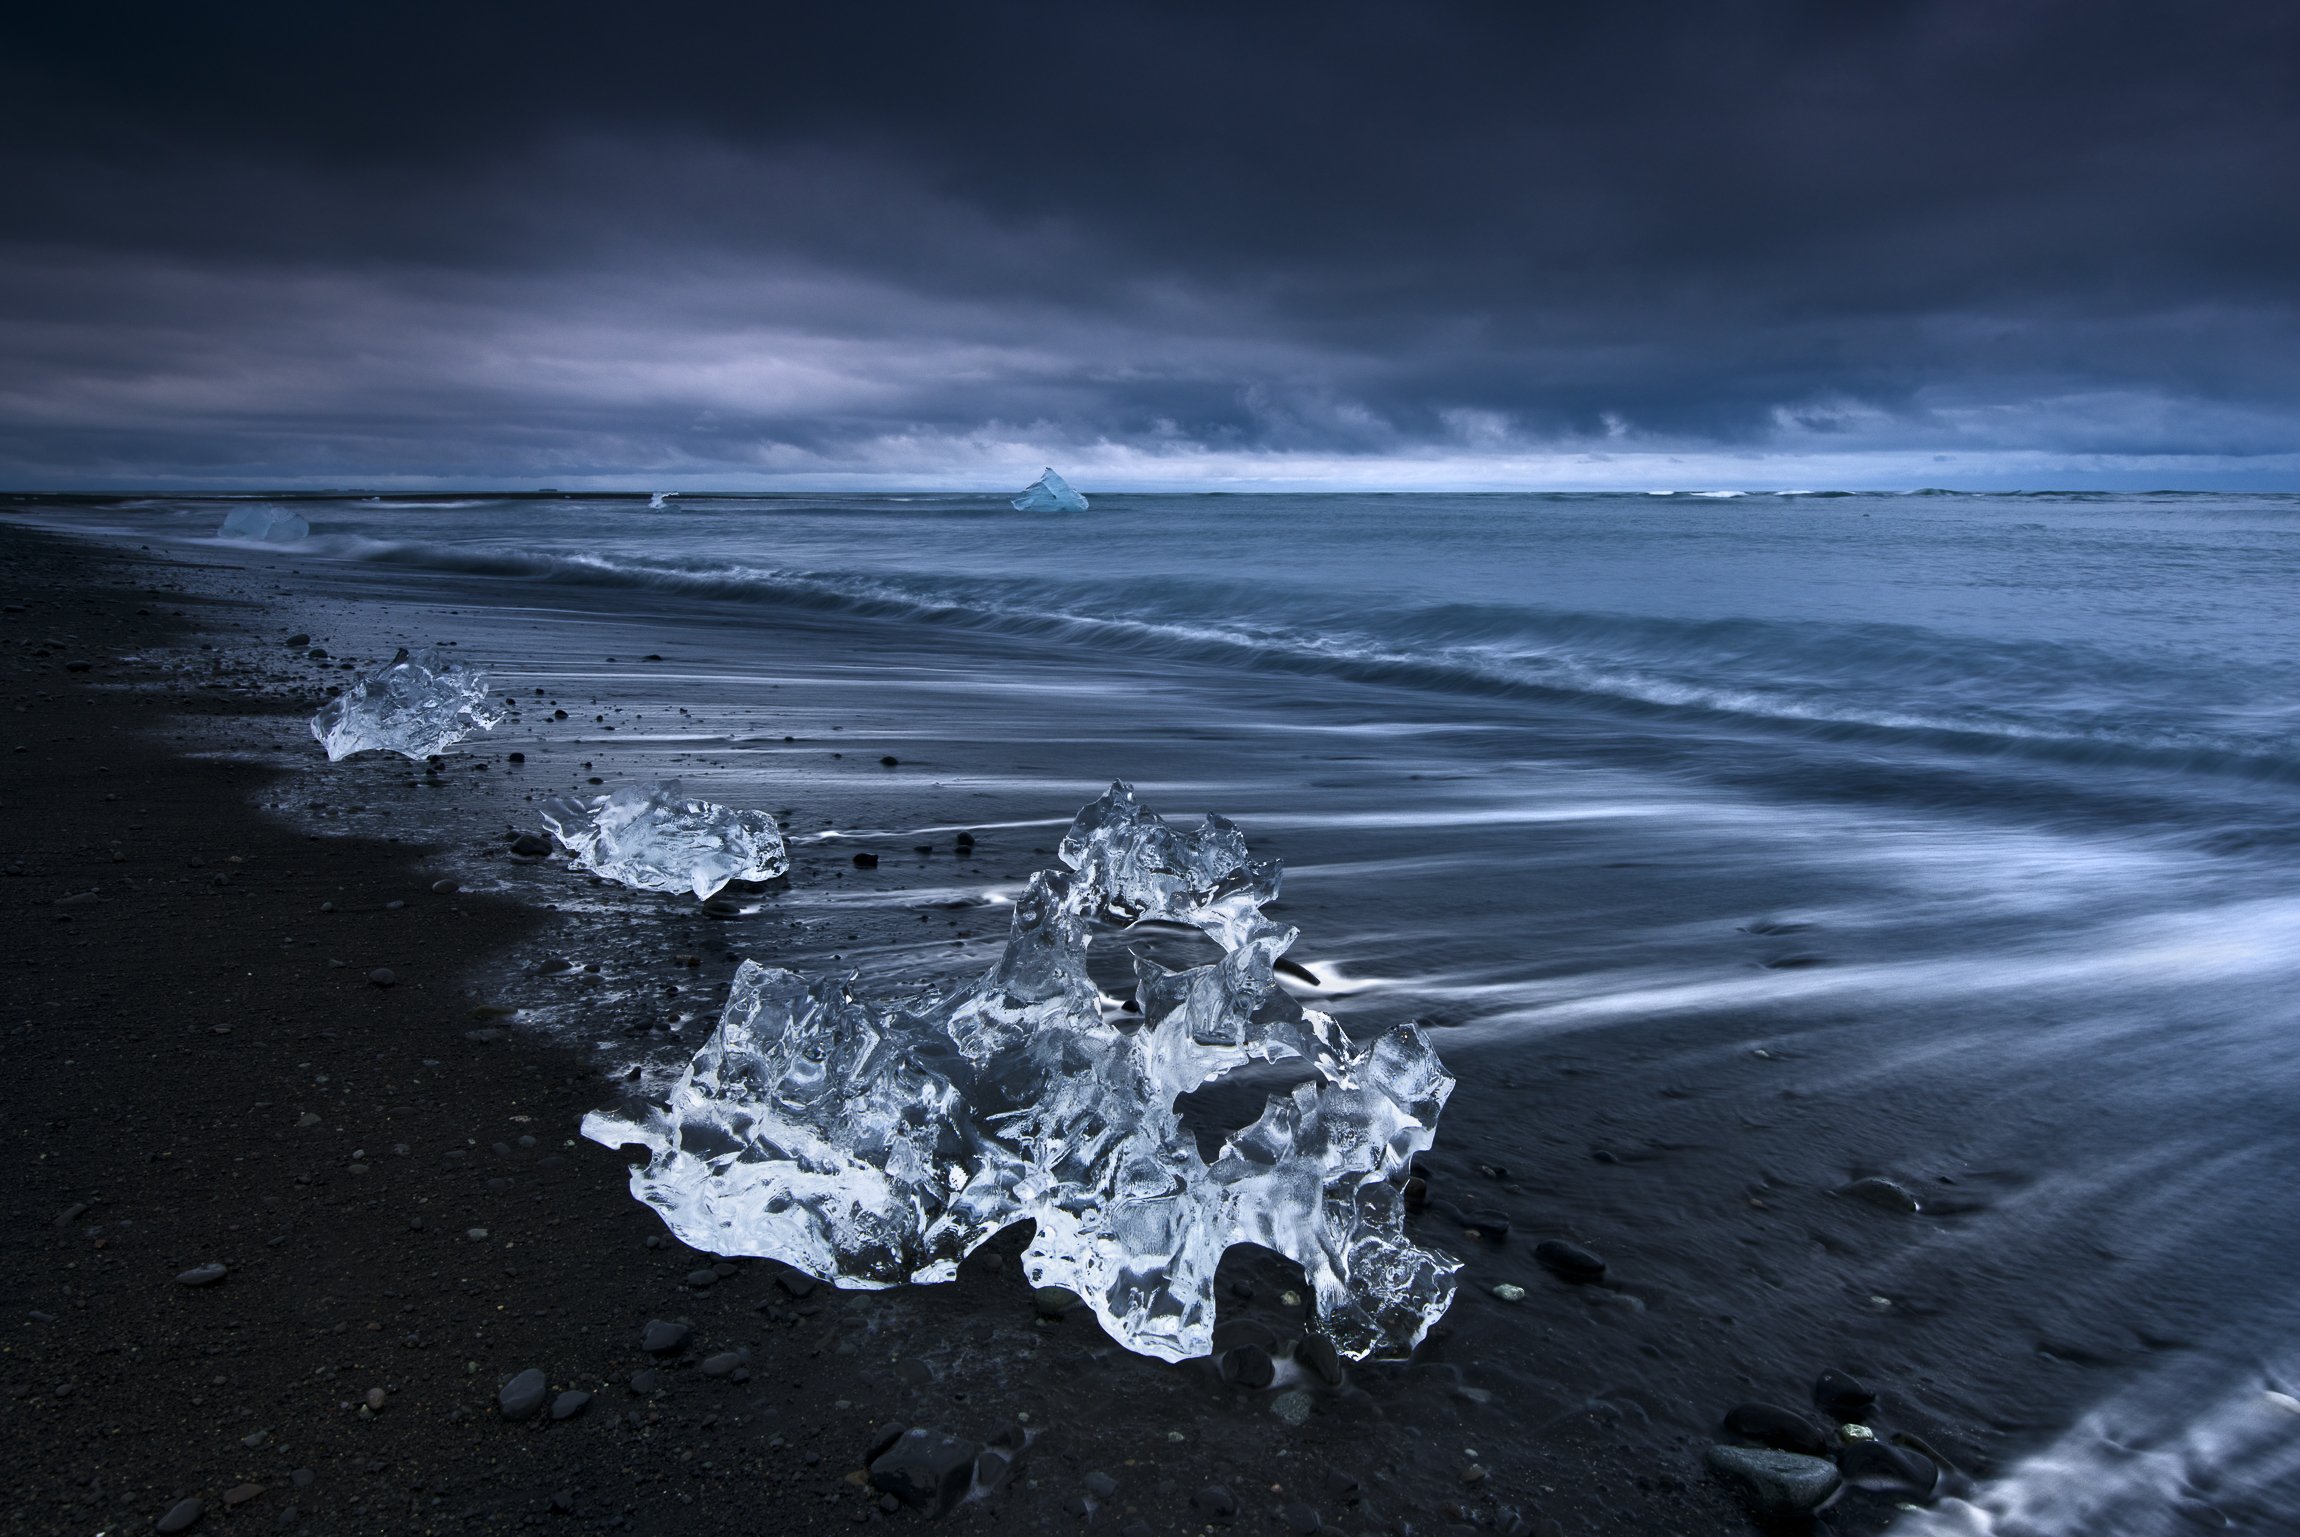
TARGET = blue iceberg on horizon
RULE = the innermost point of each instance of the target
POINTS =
(1050, 493)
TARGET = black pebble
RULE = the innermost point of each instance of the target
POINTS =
(1842, 1397)
(890, 760)
(1569, 1261)
(1247, 1366)
(866, 861)
(1784, 1430)
(1214, 1500)
(662, 1338)
(1887, 1469)
(521, 1397)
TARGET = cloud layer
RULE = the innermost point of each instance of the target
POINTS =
(2035, 242)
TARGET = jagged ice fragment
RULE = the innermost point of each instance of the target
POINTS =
(1049, 493)
(264, 525)
(870, 1145)
(659, 838)
(413, 705)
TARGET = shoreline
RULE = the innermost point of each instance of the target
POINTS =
(134, 1392)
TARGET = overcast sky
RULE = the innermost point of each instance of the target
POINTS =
(1977, 242)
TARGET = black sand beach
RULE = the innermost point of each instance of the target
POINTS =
(208, 1071)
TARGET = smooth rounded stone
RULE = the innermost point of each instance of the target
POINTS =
(1569, 1261)
(928, 1470)
(796, 1283)
(646, 1382)
(1490, 1226)
(531, 846)
(1214, 1500)
(993, 1466)
(239, 1494)
(723, 1364)
(1887, 1469)
(1318, 1354)
(1777, 1483)
(569, 1404)
(1884, 1194)
(383, 976)
(1247, 1366)
(180, 1516)
(866, 861)
(375, 1399)
(522, 1397)
(202, 1275)
(1053, 1301)
(1293, 1406)
(1302, 1520)
(1508, 1291)
(663, 1337)
(445, 888)
(1842, 1396)
(1784, 1430)
(702, 1278)
(1101, 1485)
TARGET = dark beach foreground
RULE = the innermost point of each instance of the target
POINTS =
(235, 1044)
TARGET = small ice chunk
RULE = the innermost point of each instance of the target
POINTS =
(263, 525)
(871, 1145)
(659, 838)
(1049, 493)
(660, 500)
(412, 705)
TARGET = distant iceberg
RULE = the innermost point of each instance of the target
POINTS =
(264, 525)
(1050, 493)
(660, 499)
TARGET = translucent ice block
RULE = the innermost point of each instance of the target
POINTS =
(266, 525)
(871, 1145)
(659, 838)
(1049, 493)
(414, 705)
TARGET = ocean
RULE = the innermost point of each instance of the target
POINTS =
(1736, 848)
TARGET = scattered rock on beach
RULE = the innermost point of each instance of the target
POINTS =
(569, 1404)
(1569, 1261)
(1777, 1483)
(1784, 1430)
(1842, 1396)
(202, 1275)
(1887, 1469)
(521, 1397)
(1247, 1366)
(1215, 1500)
(383, 976)
(927, 1470)
(180, 1516)
(663, 1337)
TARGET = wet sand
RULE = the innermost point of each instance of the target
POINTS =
(205, 1070)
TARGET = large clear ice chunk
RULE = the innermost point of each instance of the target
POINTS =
(659, 838)
(871, 1145)
(263, 525)
(1049, 493)
(413, 705)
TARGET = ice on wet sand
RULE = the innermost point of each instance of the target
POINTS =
(659, 838)
(413, 705)
(266, 525)
(871, 1145)
(1049, 493)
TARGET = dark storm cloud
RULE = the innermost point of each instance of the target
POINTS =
(1181, 240)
